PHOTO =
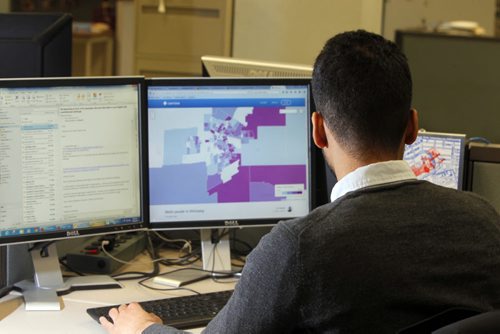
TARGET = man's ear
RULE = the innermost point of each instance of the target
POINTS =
(319, 133)
(412, 127)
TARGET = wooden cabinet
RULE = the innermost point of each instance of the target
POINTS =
(172, 35)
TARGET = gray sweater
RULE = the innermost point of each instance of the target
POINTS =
(374, 261)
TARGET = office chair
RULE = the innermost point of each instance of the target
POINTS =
(484, 323)
(440, 320)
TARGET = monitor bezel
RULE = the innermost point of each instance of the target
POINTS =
(480, 153)
(92, 81)
(316, 196)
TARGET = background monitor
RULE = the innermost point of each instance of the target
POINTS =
(229, 153)
(483, 173)
(455, 82)
(438, 158)
(217, 66)
(35, 45)
(70, 166)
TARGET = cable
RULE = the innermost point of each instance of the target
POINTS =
(156, 267)
(104, 243)
(141, 282)
(244, 243)
(103, 249)
(187, 243)
(42, 245)
(190, 258)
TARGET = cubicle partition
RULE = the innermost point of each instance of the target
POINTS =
(455, 82)
(483, 174)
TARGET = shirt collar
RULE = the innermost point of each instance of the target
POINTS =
(373, 174)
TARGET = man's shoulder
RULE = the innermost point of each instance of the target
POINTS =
(457, 198)
(300, 225)
(415, 189)
(346, 210)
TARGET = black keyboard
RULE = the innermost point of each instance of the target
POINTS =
(180, 312)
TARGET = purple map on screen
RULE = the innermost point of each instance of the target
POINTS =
(230, 159)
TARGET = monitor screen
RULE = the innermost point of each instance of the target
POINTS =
(70, 165)
(438, 158)
(228, 152)
(70, 157)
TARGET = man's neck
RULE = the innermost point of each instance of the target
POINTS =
(344, 163)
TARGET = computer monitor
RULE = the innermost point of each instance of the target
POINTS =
(438, 158)
(483, 172)
(70, 165)
(228, 153)
(455, 82)
(217, 66)
(35, 45)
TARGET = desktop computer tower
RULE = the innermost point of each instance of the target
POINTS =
(35, 45)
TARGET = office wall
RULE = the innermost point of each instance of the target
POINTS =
(416, 13)
(295, 30)
(4, 6)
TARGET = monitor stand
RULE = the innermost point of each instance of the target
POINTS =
(42, 293)
(215, 250)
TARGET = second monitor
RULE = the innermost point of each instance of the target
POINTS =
(228, 153)
(438, 158)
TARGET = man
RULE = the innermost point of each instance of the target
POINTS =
(389, 250)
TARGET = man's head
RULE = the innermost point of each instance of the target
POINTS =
(362, 90)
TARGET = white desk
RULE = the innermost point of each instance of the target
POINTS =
(73, 319)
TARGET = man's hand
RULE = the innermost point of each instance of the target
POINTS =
(128, 319)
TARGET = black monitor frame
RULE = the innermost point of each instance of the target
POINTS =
(480, 152)
(316, 180)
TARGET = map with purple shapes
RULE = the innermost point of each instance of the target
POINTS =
(235, 156)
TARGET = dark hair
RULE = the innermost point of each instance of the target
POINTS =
(362, 87)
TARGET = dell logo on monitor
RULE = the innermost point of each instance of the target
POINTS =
(73, 233)
(231, 223)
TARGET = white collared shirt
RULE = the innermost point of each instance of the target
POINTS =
(371, 175)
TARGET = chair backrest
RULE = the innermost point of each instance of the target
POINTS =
(484, 323)
(439, 320)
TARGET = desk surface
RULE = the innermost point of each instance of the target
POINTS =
(73, 319)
